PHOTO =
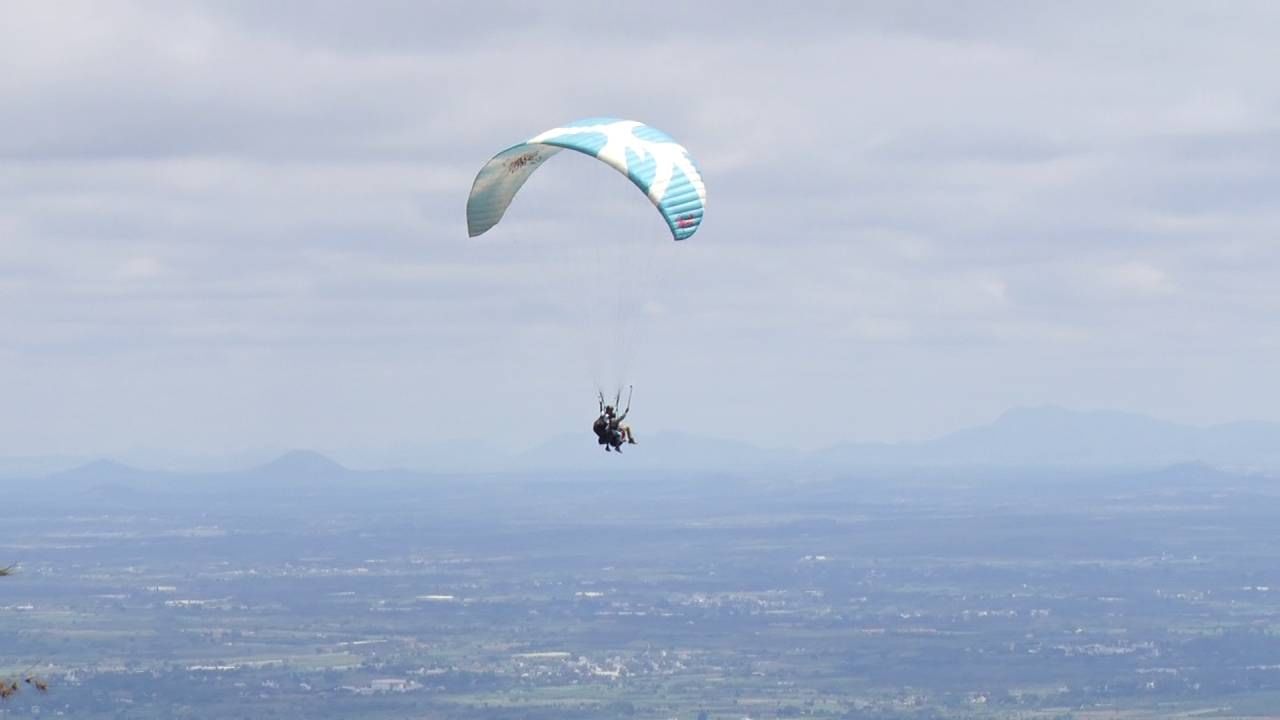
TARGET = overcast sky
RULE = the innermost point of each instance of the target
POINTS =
(230, 225)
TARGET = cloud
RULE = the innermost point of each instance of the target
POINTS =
(241, 223)
(141, 268)
(1136, 278)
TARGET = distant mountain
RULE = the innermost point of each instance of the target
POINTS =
(1053, 436)
(102, 484)
(197, 462)
(298, 468)
(98, 472)
(301, 465)
(1022, 438)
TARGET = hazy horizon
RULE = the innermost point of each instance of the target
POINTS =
(1034, 440)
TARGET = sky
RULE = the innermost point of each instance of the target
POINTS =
(230, 225)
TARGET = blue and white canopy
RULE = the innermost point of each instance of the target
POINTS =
(657, 165)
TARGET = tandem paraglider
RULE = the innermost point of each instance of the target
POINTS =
(654, 162)
(608, 427)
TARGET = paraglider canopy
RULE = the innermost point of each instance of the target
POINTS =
(657, 164)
